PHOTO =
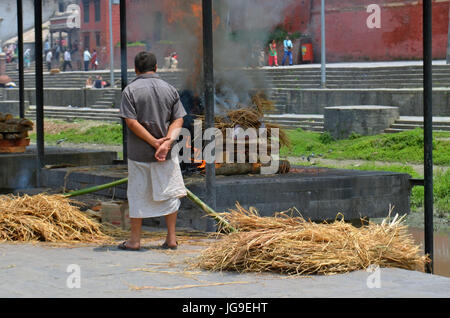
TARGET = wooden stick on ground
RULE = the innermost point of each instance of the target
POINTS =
(223, 224)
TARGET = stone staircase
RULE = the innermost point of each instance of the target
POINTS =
(409, 76)
(316, 122)
(294, 121)
(408, 123)
(107, 100)
(71, 113)
(279, 79)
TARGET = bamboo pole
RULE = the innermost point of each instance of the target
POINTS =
(223, 224)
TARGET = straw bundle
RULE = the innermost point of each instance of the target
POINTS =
(291, 245)
(49, 218)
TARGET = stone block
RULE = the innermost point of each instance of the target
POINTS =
(366, 120)
(12, 107)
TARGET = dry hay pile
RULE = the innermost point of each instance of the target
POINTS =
(250, 116)
(291, 245)
(49, 218)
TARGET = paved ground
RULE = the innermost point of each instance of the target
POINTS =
(28, 270)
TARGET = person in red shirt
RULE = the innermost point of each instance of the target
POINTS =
(94, 62)
(273, 59)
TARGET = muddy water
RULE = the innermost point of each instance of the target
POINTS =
(441, 250)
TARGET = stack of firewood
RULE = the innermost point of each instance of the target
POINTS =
(14, 133)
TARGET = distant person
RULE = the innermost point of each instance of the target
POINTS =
(89, 82)
(106, 84)
(48, 59)
(67, 60)
(57, 54)
(287, 43)
(76, 56)
(273, 58)
(94, 61)
(86, 58)
(173, 63)
(46, 47)
(98, 82)
(27, 58)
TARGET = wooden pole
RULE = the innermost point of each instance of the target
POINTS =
(223, 224)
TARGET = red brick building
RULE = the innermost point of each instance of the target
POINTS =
(347, 34)
(94, 31)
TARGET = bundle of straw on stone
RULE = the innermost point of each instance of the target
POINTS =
(49, 218)
(292, 245)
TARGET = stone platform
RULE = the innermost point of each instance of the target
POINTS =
(19, 170)
(317, 193)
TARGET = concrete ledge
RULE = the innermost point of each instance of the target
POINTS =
(12, 107)
(79, 97)
(409, 101)
(18, 171)
(319, 194)
(366, 120)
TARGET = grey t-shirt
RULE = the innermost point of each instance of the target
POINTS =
(155, 104)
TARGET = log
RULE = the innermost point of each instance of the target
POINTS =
(15, 143)
(13, 146)
(223, 224)
(13, 128)
(25, 123)
(16, 149)
(5, 117)
(13, 136)
(229, 169)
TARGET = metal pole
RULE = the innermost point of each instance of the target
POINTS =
(111, 45)
(208, 70)
(428, 128)
(323, 78)
(21, 59)
(123, 67)
(39, 88)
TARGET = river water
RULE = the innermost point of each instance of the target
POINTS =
(441, 250)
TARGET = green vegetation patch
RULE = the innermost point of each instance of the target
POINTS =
(400, 147)
(104, 134)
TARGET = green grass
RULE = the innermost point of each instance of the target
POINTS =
(400, 147)
(104, 134)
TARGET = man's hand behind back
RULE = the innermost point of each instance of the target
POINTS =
(163, 150)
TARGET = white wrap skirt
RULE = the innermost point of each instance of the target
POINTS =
(154, 188)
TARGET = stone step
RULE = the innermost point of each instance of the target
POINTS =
(73, 114)
(105, 103)
(67, 117)
(304, 127)
(413, 126)
(76, 109)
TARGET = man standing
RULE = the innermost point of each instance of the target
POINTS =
(48, 59)
(67, 60)
(46, 47)
(154, 116)
(87, 59)
(287, 50)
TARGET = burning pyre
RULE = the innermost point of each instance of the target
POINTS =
(14, 133)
